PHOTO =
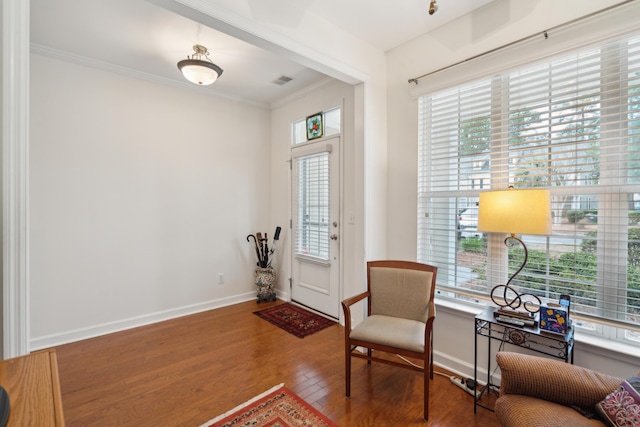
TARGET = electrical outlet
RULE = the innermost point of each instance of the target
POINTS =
(220, 278)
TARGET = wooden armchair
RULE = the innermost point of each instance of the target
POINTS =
(400, 314)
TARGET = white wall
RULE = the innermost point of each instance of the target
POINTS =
(320, 45)
(141, 194)
(499, 23)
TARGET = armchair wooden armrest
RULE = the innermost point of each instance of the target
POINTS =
(432, 311)
(346, 307)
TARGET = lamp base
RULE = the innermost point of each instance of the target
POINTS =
(506, 296)
(503, 311)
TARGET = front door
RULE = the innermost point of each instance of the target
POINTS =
(315, 266)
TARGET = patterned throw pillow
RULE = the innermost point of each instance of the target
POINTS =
(622, 407)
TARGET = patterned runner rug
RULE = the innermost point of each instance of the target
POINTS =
(277, 407)
(294, 319)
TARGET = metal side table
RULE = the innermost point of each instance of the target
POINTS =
(530, 338)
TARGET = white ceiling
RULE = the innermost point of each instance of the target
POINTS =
(139, 37)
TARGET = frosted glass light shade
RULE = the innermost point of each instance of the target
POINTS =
(198, 68)
(199, 72)
(515, 211)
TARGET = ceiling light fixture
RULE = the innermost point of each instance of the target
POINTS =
(433, 7)
(199, 69)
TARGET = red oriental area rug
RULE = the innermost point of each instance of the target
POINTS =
(278, 407)
(294, 319)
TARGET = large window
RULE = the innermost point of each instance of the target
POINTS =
(570, 124)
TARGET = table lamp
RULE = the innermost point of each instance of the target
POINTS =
(515, 212)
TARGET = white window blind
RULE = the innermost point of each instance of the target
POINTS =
(570, 124)
(312, 221)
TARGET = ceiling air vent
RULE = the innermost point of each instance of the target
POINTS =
(282, 80)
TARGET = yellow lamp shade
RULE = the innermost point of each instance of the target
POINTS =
(515, 211)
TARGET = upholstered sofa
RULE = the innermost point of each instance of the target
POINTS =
(538, 391)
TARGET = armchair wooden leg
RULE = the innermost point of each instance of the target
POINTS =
(426, 393)
(428, 374)
(431, 358)
(347, 369)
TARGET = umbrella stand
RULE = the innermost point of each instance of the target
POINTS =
(265, 275)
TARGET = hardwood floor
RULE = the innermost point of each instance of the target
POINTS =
(185, 371)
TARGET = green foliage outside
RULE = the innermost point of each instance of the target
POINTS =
(589, 245)
(572, 273)
(569, 273)
(474, 244)
(575, 273)
(475, 136)
(575, 216)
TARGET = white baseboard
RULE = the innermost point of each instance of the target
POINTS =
(48, 341)
(462, 368)
(284, 296)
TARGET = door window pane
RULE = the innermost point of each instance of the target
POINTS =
(312, 234)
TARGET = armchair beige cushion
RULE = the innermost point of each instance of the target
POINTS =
(391, 331)
(401, 292)
(400, 307)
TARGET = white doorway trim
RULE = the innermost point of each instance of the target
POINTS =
(15, 177)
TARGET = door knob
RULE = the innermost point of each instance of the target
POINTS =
(334, 237)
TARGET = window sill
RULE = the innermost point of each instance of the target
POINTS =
(615, 350)
(610, 349)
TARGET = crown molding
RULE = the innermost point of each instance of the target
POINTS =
(140, 75)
